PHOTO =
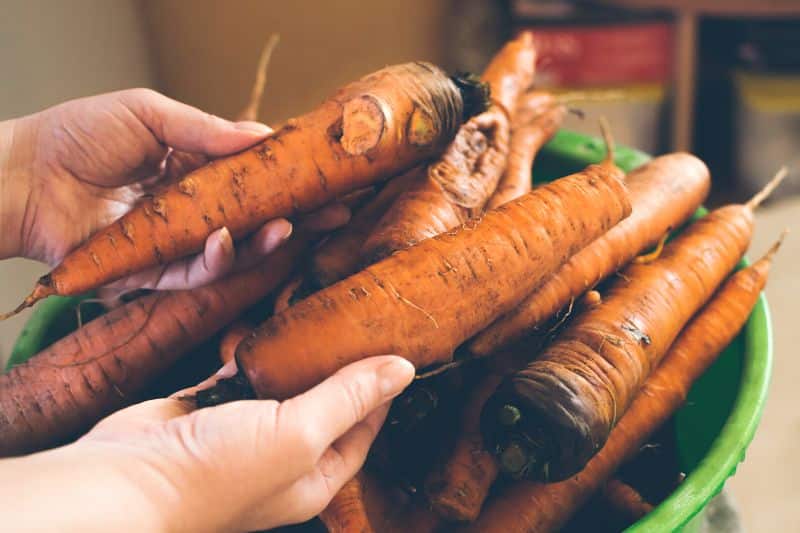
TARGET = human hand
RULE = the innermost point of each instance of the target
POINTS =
(76, 167)
(242, 466)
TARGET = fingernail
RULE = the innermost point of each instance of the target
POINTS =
(228, 370)
(253, 127)
(289, 230)
(394, 376)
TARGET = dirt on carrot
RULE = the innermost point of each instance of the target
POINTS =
(376, 127)
(665, 192)
(64, 390)
(567, 401)
(457, 186)
(531, 507)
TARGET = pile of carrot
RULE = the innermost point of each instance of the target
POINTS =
(555, 326)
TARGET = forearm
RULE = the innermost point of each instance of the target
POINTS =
(73, 489)
(14, 179)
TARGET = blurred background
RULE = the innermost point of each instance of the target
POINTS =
(715, 77)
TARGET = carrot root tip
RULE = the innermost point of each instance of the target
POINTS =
(44, 288)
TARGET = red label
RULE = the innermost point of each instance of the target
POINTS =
(603, 55)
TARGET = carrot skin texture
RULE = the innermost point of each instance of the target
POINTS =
(528, 506)
(347, 512)
(72, 384)
(338, 256)
(456, 490)
(664, 193)
(573, 394)
(536, 119)
(459, 184)
(625, 500)
(375, 127)
(421, 303)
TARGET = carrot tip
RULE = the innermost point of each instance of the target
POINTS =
(250, 112)
(605, 129)
(776, 245)
(762, 195)
(40, 292)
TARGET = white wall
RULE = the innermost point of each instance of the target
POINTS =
(51, 51)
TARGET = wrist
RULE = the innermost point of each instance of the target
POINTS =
(16, 150)
(76, 488)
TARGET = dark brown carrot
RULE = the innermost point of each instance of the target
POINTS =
(371, 129)
(537, 117)
(456, 490)
(664, 193)
(347, 512)
(624, 500)
(547, 420)
(528, 506)
(68, 387)
(458, 186)
(423, 302)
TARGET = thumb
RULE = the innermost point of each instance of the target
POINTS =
(186, 128)
(329, 410)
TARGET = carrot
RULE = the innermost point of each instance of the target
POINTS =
(347, 512)
(231, 337)
(250, 111)
(458, 488)
(423, 302)
(664, 193)
(536, 119)
(66, 388)
(529, 506)
(286, 296)
(458, 185)
(625, 500)
(376, 127)
(547, 420)
(338, 256)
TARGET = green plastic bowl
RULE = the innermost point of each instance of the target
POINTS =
(713, 429)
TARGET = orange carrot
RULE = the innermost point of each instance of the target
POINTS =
(338, 256)
(625, 500)
(347, 512)
(459, 184)
(664, 193)
(536, 119)
(377, 127)
(547, 420)
(458, 488)
(72, 384)
(423, 302)
(528, 506)
(231, 337)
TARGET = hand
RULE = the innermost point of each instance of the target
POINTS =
(74, 168)
(241, 466)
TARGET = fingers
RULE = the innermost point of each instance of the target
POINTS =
(218, 259)
(326, 412)
(187, 128)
